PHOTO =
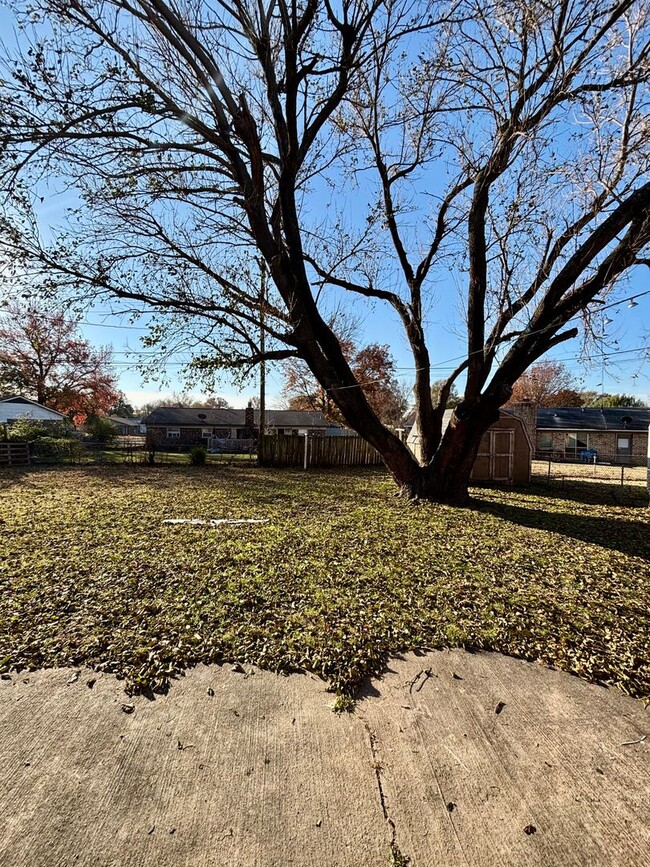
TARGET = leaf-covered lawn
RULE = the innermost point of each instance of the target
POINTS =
(342, 575)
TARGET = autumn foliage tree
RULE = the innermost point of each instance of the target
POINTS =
(44, 354)
(547, 383)
(374, 370)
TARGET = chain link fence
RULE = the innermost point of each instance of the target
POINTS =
(619, 481)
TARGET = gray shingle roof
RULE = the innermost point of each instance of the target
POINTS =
(131, 422)
(596, 419)
(208, 417)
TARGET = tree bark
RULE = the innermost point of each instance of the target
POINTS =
(446, 478)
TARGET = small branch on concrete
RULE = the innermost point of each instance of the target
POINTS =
(427, 672)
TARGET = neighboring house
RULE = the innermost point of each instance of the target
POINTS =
(505, 452)
(13, 408)
(191, 426)
(127, 426)
(617, 435)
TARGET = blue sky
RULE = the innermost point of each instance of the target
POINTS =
(619, 368)
(621, 362)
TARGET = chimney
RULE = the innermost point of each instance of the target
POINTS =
(249, 421)
(526, 410)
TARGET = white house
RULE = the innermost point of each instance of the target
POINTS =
(13, 408)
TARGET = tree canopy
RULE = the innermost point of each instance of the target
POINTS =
(547, 383)
(374, 369)
(45, 356)
(550, 383)
(355, 152)
(594, 398)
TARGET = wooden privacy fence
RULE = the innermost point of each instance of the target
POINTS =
(289, 451)
(13, 454)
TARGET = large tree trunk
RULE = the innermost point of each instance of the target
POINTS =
(446, 478)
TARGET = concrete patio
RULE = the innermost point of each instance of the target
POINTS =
(450, 759)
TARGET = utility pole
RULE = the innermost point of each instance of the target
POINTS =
(262, 425)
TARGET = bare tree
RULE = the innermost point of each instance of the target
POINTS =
(505, 139)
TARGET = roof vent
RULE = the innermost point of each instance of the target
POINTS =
(202, 415)
(626, 419)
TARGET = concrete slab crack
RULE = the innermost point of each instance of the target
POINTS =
(398, 859)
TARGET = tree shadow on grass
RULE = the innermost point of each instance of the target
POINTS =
(592, 493)
(628, 537)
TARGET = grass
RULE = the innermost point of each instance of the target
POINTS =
(342, 575)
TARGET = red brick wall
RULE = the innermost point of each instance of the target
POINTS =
(604, 442)
(190, 436)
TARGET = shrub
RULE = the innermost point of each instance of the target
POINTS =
(198, 456)
(101, 429)
(57, 449)
(28, 429)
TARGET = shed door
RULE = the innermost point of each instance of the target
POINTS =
(502, 447)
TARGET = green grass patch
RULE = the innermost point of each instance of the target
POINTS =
(343, 575)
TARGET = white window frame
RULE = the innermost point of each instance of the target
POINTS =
(206, 433)
(173, 433)
(626, 450)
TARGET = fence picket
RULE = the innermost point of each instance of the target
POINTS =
(345, 451)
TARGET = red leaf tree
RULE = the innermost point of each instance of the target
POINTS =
(374, 369)
(47, 360)
(547, 383)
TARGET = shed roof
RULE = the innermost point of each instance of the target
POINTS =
(593, 418)
(210, 417)
(446, 418)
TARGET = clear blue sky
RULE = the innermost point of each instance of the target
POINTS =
(622, 367)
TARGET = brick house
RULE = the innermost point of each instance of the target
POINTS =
(617, 435)
(181, 427)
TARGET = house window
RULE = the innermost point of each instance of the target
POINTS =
(280, 431)
(173, 433)
(222, 433)
(206, 432)
(576, 442)
(624, 446)
(545, 442)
